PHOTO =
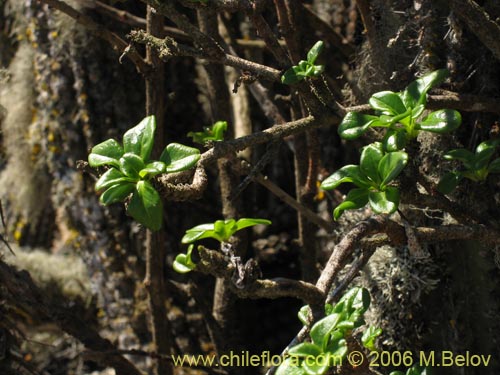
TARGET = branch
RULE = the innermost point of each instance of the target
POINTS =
(479, 23)
(116, 42)
(214, 263)
(22, 292)
(168, 47)
(345, 247)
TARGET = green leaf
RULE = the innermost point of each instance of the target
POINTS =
(111, 177)
(117, 193)
(388, 102)
(384, 202)
(395, 140)
(224, 229)
(356, 198)
(322, 328)
(139, 140)
(348, 173)
(461, 154)
(442, 121)
(369, 336)
(490, 144)
(337, 347)
(303, 313)
(355, 124)
(449, 182)
(317, 70)
(198, 232)
(314, 52)
(305, 349)
(416, 92)
(361, 300)
(106, 153)
(397, 373)
(213, 133)
(291, 77)
(317, 366)
(152, 169)
(482, 158)
(290, 366)
(391, 165)
(131, 165)
(178, 157)
(494, 166)
(146, 206)
(249, 222)
(370, 158)
(417, 111)
(183, 262)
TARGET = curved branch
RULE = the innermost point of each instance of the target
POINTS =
(214, 263)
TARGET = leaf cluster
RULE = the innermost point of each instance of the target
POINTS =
(210, 133)
(131, 170)
(377, 170)
(476, 166)
(328, 335)
(400, 113)
(305, 68)
(220, 230)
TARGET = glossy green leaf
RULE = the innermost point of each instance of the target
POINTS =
(153, 169)
(314, 52)
(384, 202)
(397, 373)
(213, 133)
(224, 229)
(317, 366)
(388, 102)
(178, 157)
(494, 166)
(323, 327)
(131, 165)
(139, 140)
(250, 222)
(348, 173)
(416, 92)
(395, 140)
(361, 300)
(305, 349)
(370, 159)
(356, 198)
(106, 153)
(355, 124)
(417, 111)
(198, 232)
(369, 337)
(490, 144)
(183, 262)
(391, 165)
(290, 366)
(303, 313)
(117, 193)
(449, 182)
(291, 77)
(442, 121)
(317, 70)
(337, 349)
(146, 206)
(111, 177)
(461, 154)
(482, 158)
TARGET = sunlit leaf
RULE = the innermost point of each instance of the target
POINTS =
(106, 153)
(146, 206)
(139, 140)
(384, 202)
(178, 157)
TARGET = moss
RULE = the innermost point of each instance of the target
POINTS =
(57, 274)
